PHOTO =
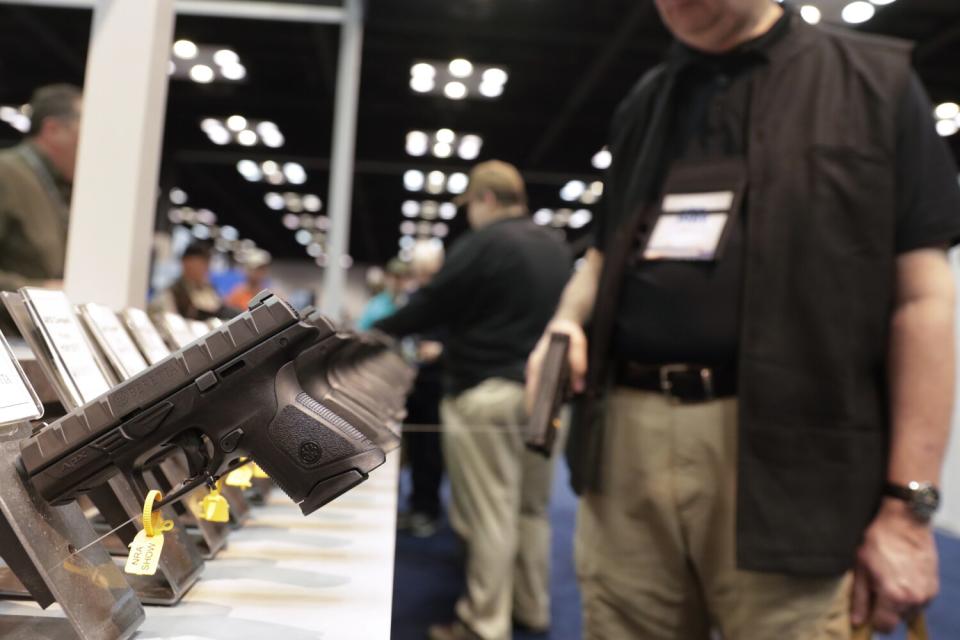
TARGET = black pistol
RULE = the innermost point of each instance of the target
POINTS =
(242, 391)
(544, 424)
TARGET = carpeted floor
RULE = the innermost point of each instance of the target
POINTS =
(428, 579)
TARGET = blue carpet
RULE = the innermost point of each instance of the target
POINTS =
(428, 578)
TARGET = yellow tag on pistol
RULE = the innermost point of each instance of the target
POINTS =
(258, 472)
(146, 547)
(214, 507)
(240, 477)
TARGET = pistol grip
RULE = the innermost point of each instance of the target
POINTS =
(313, 455)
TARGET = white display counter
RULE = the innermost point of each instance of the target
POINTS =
(284, 576)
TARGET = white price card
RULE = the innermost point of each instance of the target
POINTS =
(146, 335)
(114, 340)
(687, 236)
(17, 400)
(54, 317)
(178, 329)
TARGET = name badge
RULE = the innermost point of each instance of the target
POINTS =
(17, 400)
(690, 227)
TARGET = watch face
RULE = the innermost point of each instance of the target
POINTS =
(925, 501)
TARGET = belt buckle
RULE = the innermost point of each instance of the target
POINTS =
(706, 379)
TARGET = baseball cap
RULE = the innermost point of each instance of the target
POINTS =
(502, 178)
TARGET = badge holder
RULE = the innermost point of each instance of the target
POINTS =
(120, 500)
(118, 348)
(39, 544)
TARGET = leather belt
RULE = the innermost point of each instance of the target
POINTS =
(686, 383)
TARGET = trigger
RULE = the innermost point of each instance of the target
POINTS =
(196, 453)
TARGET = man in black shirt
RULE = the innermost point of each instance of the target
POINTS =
(495, 293)
(771, 334)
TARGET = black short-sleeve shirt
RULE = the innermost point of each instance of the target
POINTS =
(690, 312)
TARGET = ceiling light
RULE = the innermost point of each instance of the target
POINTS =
(249, 170)
(857, 12)
(236, 123)
(596, 188)
(572, 190)
(346, 261)
(495, 76)
(447, 136)
(440, 230)
(407, 242)
(543, 217)
(234, 72)
(294, 203)
(312, 203)
(455, 90)
(247, 138)
(461, 68)
(322, 260)
(436, 178)
(423, 70)
(408, 227)
(178, 196)
(947, 111)
(303, 237)
(424, 229)
(323, 222)
(307, 222)
(410, 208)
(228, 232)
(271, 168)
(201, 232)
(430, 210)
(470, 146)
(580, 218)
(602, 159)
(448, 211)
(458, 183)
(219, 136)
(882, 2)
(272, 138)
(422, 84)
(207, 217)
(810, 13)
(442, 150)
(488, 90)
(418, 143)
(226, 57)
(315, 250)
(947, 127)
(185, 49)
(201, 73)
(405, 255)
(274, 200)
(295, 172)
(413, 180)
(561, 217)
(209, 124)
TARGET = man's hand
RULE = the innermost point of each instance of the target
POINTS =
(896, 572)
(577, 357)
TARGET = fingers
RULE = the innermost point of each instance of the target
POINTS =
(860, 599)
(886, 614)
(578, 362)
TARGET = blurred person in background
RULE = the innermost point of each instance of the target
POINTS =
(386, 301)
(36, 181)
(191, 295)
(257, 269)
(767, 403)
(494, 295)
(423, 410)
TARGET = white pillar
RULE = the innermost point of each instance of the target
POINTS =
(115, 189)
(342, 156)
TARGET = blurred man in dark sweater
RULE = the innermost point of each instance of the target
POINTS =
(495, 293)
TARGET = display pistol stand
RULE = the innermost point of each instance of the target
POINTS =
(180, 563)
(121, 498)
(239, 506)
(39, 544)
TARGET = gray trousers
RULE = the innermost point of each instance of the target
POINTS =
(500, 495)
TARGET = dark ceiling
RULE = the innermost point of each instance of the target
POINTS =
(569, 63)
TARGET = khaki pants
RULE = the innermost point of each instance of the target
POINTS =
(655, 552)
(500, 494)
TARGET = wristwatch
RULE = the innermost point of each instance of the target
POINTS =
(922, 498)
